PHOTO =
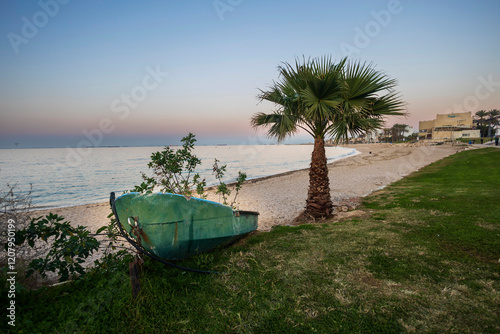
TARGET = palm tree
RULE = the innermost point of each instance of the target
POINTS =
(325, 98)
(492, 120)
(481, 114)
(480, 122)
(398, 131)
(387, 134)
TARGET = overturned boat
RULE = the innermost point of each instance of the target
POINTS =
(174, 227)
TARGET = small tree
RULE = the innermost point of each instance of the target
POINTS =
(174, 171)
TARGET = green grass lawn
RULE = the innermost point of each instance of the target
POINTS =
(476, 139)
(423, 256)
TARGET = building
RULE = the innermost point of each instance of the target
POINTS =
(448, 127)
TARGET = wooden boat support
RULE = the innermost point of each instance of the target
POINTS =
(174, 227)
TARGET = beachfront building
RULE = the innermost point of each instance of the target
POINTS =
(448, 127)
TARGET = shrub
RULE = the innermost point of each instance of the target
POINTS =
(69, 246)
(174, 171)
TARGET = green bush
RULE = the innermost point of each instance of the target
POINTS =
(174, 171)
(70, 246)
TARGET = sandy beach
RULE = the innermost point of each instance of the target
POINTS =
(280, 199)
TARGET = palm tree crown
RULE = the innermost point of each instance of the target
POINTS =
(324, 99)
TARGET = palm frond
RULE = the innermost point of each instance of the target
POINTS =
(389, 105)
(363, 81)
(281, 125)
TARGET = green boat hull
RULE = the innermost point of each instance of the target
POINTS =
(174, 227)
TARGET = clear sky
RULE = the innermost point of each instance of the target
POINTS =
(148, 72)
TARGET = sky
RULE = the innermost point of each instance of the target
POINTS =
(74, 73)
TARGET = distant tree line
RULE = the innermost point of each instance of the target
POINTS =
(397, 133)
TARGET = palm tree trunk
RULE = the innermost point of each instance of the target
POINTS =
(319, 203)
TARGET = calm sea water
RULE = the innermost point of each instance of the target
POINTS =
(67, 177)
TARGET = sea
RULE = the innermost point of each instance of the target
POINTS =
(62, 177)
